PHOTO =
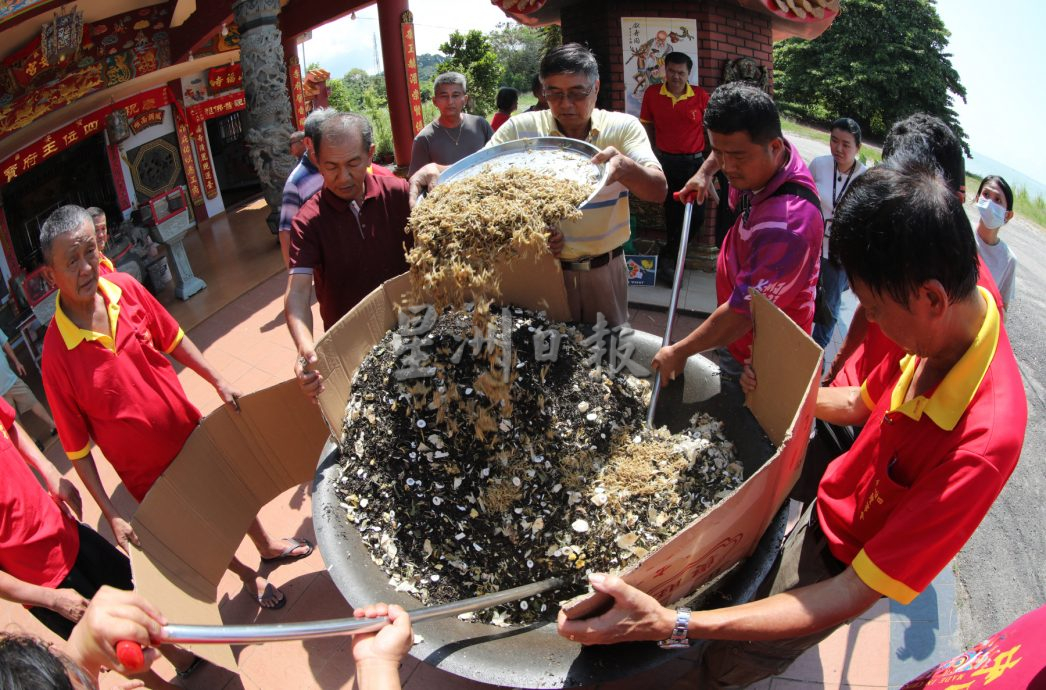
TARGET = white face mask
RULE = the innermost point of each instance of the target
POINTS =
(992, 214)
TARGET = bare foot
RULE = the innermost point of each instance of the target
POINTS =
(288, 549)
(267, 596)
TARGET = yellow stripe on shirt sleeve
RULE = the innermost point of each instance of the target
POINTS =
(177, 341)
(875, 578)
(867, 398)
(79, 454)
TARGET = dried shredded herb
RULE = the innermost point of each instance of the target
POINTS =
(465, 483)
(462, 229)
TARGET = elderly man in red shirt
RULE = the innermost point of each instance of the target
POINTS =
(107, 380)
(943, 430)
(346, 240)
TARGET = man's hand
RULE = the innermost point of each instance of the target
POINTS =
(699, 188)
(124, 534)
(670, 362)
(748, 381)
(69, 603)
(115, 615)
(228, 393)
(555, 241)
(310, 380)
(20, 368)
(618, 164)
(390, 644)
(423, 180)
(70, 495)
(634, 617)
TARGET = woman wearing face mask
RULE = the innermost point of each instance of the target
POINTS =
(833, 176)
(995, 205)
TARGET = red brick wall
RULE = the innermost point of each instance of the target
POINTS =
(724, 32)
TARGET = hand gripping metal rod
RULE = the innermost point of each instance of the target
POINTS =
(684, 240)
(130, 653)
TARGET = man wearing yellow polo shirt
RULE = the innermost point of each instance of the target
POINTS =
(673, 115)
(589, 249)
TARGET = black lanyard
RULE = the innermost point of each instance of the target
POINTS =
(835, 176)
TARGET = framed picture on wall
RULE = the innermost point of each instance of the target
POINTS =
(646, 41)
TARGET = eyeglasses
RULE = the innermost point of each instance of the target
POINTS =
(573, 95)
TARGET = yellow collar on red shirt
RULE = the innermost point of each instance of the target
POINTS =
(953, 395)
(73, 335)
(106, 261)
(675, 99)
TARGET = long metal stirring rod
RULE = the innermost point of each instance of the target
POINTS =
(130, 653)
(684, 240)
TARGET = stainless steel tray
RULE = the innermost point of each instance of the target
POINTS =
(569, 159)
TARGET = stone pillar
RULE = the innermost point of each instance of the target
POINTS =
(389, 18)
(268, 103)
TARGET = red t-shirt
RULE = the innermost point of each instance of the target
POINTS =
(350, 251)
(124, 394)
(877, 348)
(922, 474)
(105, 266)
(38, 540)
(776, 250)
(499, 119)
(678, 122)
(1016, 655)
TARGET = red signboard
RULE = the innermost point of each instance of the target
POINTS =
(225, 78)
(297, 93)
(216, 107)
(113, 152)
(210, 186)
(146, 119)
(76, 131)
(185, 149)
(410, 59)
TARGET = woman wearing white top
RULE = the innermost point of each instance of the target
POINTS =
(833, 176)
(995, 205)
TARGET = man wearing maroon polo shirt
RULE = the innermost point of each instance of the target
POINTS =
(346, 240)
(673, 115)
(943, 430)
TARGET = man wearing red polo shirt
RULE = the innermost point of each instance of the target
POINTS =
(107, 380)
(673, 115)
(943, 430)
(346, 240)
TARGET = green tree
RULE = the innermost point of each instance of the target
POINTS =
(878, 62)
(472, 55)
(519, 49)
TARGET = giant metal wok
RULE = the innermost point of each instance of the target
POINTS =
(534, 656)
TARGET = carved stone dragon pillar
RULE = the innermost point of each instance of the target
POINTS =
(268, 102)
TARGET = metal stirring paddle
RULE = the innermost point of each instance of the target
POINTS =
(688, 212)
(132, 657)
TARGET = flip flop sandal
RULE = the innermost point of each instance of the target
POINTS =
(271, 592)
(286, 555)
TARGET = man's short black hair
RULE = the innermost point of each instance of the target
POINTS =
(677, 58)
(927, 136)
(570, 58)
(900, 226)
(507, 98)
(740, 107)
(27, 663)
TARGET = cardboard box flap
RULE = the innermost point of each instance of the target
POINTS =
(782, 357)
(197, 513)
(730, 531)
(531, 281)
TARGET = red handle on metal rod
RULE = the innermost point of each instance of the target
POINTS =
(131, 655)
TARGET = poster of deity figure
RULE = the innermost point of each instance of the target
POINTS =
(646, 41)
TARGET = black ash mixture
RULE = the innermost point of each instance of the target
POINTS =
(470, 466)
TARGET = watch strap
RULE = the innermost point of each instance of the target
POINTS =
(680, 634)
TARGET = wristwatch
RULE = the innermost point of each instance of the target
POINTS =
(679, 639)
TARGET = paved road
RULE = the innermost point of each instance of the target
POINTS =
(1001, 573)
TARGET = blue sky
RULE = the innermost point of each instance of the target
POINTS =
(998, 47)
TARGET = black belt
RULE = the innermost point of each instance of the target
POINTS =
(687, 156)
(591, 262)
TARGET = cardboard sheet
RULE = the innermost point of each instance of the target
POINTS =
(198, 511)
(788, 365)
